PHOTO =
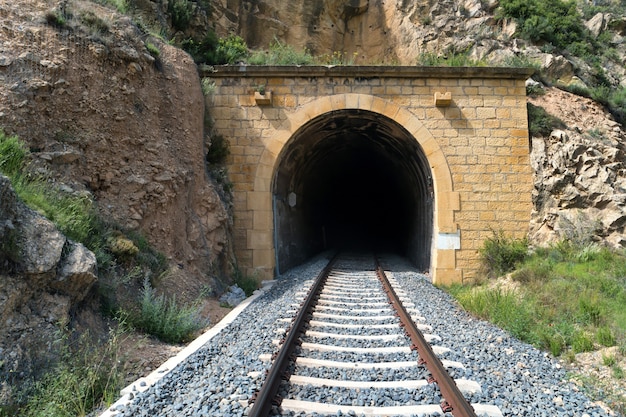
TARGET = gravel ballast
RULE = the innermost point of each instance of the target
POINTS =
(224, 373)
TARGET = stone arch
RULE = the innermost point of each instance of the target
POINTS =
(445, 232)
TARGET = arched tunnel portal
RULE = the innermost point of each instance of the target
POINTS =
(352, 179)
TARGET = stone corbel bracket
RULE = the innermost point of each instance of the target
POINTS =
(263, 99)
(443, 99)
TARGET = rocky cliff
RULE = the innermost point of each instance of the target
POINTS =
(115, 116)
(43, 275)
(105, 115)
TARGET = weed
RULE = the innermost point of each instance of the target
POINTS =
(13, 153)
(448, 59)
(617, 371)
(597, 134)
(581, 342)
(608, 360)
(90, 19)
(281, 54)
(247, 283)
(501, 254)
(208, 86)
(86, 376)
(164, 318)
(605, 336)
(337, 58)
(121, 6)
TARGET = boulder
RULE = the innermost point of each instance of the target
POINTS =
(39, 251)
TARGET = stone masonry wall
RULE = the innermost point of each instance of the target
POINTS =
(476, 144)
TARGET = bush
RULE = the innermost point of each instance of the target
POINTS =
(501, 254)
(540, 122)
(247, 283)
(218, 151)
(553, 21)
(180, 12)
(230, 50)
(164, 318)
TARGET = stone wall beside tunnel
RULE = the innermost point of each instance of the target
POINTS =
(443, 152)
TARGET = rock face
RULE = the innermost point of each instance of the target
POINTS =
(398, 32)
(42, 276)
(104, 115)
(580, 175)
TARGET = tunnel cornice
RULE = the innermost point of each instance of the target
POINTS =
(365, 71)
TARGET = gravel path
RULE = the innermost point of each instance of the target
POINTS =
(519, 379)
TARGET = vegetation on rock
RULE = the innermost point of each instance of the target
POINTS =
(566, 298)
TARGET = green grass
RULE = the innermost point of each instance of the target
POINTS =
(88, 375)
(568, 298)
(281, 54)
(247, 283)
(450, 59)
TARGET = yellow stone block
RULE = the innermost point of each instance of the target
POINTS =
(365, 101)
(259, 200)
(338, 101)
(263, 258)
(378, 105)
(447, 276)
(262, 220)
(352, 101)
(446, 258)
(260, 239)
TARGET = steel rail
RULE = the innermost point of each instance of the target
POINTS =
(454, 401)
(267, 394)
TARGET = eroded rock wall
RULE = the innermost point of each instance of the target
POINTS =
(105, 116)
(43, 275)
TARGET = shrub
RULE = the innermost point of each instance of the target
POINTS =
(230, 50)
(56, 19)
(605, 336)
(540, 122)
(501, 254)
(581, 342)
(553, 21)
(180, 12)
(218, 151)
(164, 318)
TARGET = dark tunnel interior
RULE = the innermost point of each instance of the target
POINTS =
(356, 180)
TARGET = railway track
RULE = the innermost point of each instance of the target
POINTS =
(357, 347)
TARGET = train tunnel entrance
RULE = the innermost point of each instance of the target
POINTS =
(352, 179)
